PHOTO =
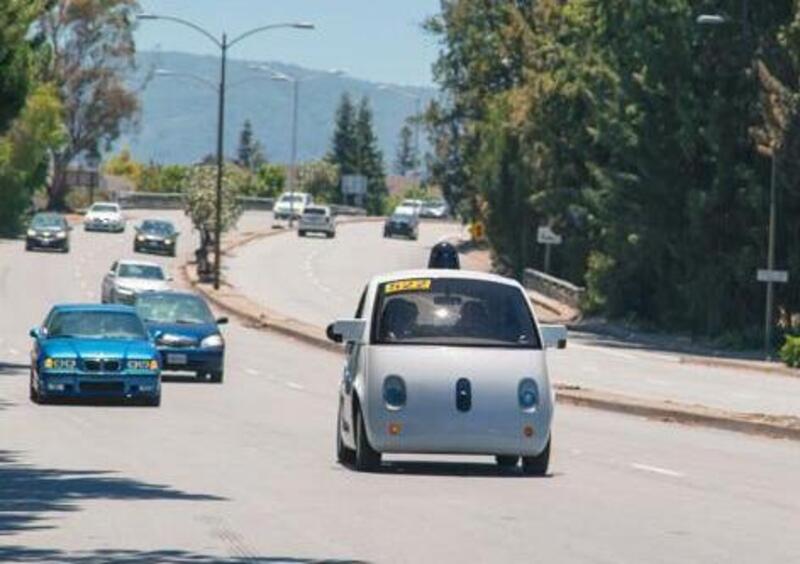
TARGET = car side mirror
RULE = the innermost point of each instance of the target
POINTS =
(554, 336)
(34, 333)
(222, 321)
(332, 335)
(347, 330)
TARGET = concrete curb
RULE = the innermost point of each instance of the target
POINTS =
(752, 365)
(257, 316)
(755, 424)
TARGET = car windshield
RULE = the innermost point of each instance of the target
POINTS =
(46, 221)
(314, 211)
(292, 198)
(401, 216)
(174, 308)
(147, 271)
(96, 325)
(104, 208)
(455, 312)
(157, 227)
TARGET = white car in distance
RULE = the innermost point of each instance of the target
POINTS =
(104, 216)
(291, 205)
(317, 219)
(128, 278)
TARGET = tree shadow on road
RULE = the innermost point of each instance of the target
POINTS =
(20, 554)
(29, 495)
(13, 368)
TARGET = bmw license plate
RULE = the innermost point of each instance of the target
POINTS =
(176, 359)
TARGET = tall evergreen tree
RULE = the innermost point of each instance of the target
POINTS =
(250, 153)
(370, 158)
(407, 158)
(344, 147)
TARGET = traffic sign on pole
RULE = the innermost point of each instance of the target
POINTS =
(774, 276)
(546, 236)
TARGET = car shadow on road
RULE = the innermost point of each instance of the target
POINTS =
(22, 554)
(454, 469)
(184, 379)
(30, 495)
(13, 368)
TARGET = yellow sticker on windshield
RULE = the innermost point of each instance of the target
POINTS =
(419, 285)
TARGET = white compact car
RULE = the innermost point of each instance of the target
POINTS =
(445, 362)
(317, 219)
(291, 205)
(104, 216)
(128, 278)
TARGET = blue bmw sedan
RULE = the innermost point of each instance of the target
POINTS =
(185, 332)
(94, 351)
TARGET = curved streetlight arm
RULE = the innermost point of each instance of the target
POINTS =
(247, 34)
(184, 22)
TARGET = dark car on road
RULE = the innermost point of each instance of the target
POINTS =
(185, 332)
(155, 236)
(93, 351)
(403, 222)
(48, 231)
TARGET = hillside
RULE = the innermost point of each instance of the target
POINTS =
(179, 116)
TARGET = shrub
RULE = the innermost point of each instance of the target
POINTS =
(790, 352)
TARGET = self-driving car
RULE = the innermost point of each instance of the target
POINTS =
(48, 231)
(445, 362)
(185, 332)
(317, 219)
(155, 236)
(94, 351)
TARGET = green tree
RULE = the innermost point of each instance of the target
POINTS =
(201, 197)
(250, 153)
(24, 154)
(320, 179)
(163, 178)
(344, 151)
(370, 159)
(91, 50)
(407, 159)
(123, 164)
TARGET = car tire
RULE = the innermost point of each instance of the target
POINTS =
(344, 455)
(217, 377)
(172, 252)
(154, 401)
(65, 250)
(506, 462)
(537, 465)
(32, 393)
(301, 233)
(367, 459)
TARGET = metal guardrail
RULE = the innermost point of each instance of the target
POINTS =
(555, 288)
(347, 210)
(175, 201)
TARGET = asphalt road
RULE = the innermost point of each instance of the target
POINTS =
(318, 280)
(244, 471)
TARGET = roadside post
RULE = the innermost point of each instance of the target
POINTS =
(770, 277)
(547, 237)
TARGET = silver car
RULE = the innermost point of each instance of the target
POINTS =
(104, 216)
(127, 278)
(317, 219)
(445, 362)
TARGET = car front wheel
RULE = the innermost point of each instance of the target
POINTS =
(537, 465)
(344, 455)
(367, 458)
(507, 461)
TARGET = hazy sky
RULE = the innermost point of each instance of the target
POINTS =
(378, 40)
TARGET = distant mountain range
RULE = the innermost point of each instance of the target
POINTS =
(178, 122)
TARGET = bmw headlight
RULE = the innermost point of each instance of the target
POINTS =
(31, 233)
(212, 342)
(528, 392)
(61, 235)
(149, 364)
(60, 364)
(141, 238)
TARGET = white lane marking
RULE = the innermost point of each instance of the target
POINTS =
(294, 386)
(251, 371)
(657, 470)
(13, 352)
(604, 350)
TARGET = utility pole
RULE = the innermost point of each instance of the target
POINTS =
(220, 163)
(768, 322)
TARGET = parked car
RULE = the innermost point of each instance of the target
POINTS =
(48, 231)
(317, 219)
(415, 205)
(402, 222)
(435, 209)
(94, 351)
(104, 216)
(185, 332)
(128, 278)
(156, 236)
(445, 362)
(291, 205)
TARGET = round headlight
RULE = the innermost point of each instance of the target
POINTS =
(394, 392)
(31, 233)
(528, 392)
(212, 341)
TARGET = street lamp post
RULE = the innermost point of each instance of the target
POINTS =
(295, 81)
(417, 115)
(223, 46)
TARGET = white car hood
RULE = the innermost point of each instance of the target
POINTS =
(142, 284)
(103, 215)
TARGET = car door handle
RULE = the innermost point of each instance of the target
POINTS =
(463, 395)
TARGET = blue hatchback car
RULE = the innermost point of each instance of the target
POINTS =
(185, 332)
(94, 351)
